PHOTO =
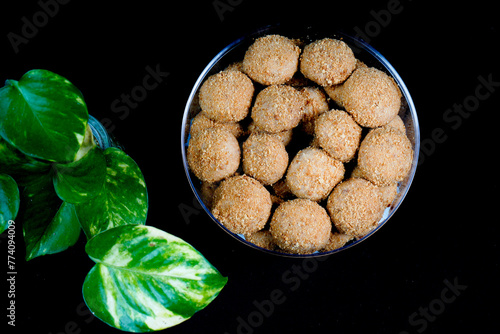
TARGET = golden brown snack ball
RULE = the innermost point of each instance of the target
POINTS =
(213, 154)
(202, 121)
(312, 174)
(300, 226)
(369, 95)
(242, 204)
(355, 207)
(226, 96)
(263, 239)
(271, 60)
(316, 104)
(336, 241)
(385, 155)
(278, 108)
(264, 158)
(327, 61)
(338, 134)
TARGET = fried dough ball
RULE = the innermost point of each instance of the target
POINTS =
(316, 104)
(271, 60)
(202, 121)
(312, 174)
(226, 96)
(284, 136)
(355, 207)
(385, 155)
(327, 61)
(264, 158)
(397, 123)
(300, 226)
(387, 193)
(338, 134)
(213, 154)
(263, 239)
(278, 108)
(242, 204)
(336, 241)
(369, 95)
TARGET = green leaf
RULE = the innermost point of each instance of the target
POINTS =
(79, 181)
(19, 165)
(146, 279)
(43, 115)
(49, 225)
(9, 201)
(123, 199)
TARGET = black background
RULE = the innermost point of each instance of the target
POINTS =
(446, 229)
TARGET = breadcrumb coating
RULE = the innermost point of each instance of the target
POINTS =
(213, 154)
(338, 134)
(355, 207)
(369, 95)
(271, 60)
(242, 204)
(264, 158)
(278, 108)
(300, 226)
(316, 104)
(385, 155)
(226, 96)
(202, 121)
(327, 61)
(263, 239)
(336, 241)
(312, 174)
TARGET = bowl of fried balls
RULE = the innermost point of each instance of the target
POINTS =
(300, 144)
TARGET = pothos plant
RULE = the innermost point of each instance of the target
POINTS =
(56, 181)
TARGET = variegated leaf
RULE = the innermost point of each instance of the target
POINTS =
(79, 181)
(146, 279)
(9, 200)
(43, 115)
(123, 198)
(49, 225)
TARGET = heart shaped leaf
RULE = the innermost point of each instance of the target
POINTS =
(146, 279)
(43, 115)
(123, 198)
(49, 225)
(79, 181)
(9, 200)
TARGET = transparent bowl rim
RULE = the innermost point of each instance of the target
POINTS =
(359, 43)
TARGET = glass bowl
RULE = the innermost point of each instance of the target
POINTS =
(235, 51)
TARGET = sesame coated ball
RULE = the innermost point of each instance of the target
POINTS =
(264, 158)
(213, 154)
(300, 226)
(355, 207)
(226, 96)
(327, 61)
(385, 155)
(242, 204)
(312, 174)
(338, 134)
(369, 95)
(271, 60)
(278, 108)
